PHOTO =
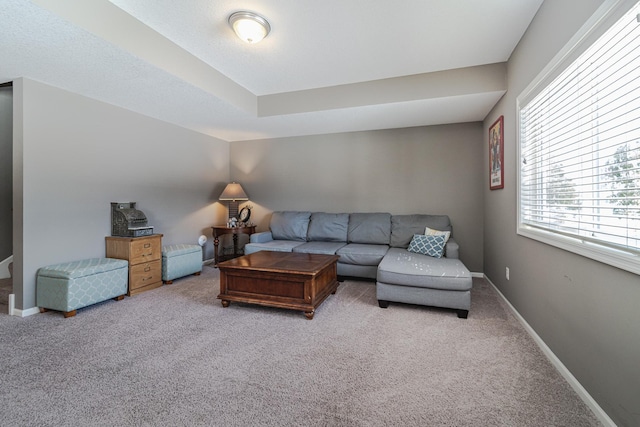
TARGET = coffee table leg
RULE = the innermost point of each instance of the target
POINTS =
(225, 303)
(309, 314)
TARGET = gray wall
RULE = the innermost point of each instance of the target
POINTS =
(6, 171)
(585, 311)
(434, 170)
(75, 155)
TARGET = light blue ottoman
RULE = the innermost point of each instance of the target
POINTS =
(179, 261)
(72, 285)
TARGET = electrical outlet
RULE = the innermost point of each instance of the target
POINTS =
(507, 273)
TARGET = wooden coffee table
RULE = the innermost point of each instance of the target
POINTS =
(290, 280)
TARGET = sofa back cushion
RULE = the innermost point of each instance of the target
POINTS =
(369, 228)
(403, 227)
(328, 227)
(289, 225)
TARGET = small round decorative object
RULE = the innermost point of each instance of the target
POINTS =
(245, 214)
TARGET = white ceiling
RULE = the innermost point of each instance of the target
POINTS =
(329, 66)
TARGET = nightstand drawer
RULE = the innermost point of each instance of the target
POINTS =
(145, 274)
(145, 250)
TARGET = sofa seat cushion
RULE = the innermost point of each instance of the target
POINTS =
(273, 245)
(326, 248)
(361, 254)
(401, 267)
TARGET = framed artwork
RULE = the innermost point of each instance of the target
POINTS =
(496, 154)
(245, 214)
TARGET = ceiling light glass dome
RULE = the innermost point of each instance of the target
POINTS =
(249, 26)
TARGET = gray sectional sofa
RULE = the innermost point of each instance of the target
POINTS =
(379, 246)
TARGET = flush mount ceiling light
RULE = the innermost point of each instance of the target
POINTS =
(250, 27)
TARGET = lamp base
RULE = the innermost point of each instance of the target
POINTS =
(233, 209)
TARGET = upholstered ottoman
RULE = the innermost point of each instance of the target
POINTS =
(412, 278)
(180, 260)
(72, 285)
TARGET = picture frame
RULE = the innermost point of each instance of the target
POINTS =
(245, 214)
(496, 154)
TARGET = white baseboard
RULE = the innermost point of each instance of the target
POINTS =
(12, 303)
(4, 268)
(24, 313)
(566, 374)
(480, 275)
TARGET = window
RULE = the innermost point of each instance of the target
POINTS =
(579, 144)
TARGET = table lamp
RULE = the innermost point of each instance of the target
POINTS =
(232, 193)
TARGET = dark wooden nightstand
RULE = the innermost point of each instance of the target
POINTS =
(220, 230)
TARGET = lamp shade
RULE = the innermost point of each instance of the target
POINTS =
(233, 191)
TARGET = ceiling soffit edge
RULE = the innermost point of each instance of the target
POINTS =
(441, 84)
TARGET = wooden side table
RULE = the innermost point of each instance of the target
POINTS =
(220, 230)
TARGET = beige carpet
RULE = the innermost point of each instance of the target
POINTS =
(174, 357)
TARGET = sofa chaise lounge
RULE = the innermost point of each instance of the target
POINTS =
(387, 248)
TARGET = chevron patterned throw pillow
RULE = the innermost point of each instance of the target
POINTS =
(427, 245)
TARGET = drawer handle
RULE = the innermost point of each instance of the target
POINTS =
(147, 245)
(147, 278)
(147, 269)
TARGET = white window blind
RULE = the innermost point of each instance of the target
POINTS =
(580, 151)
